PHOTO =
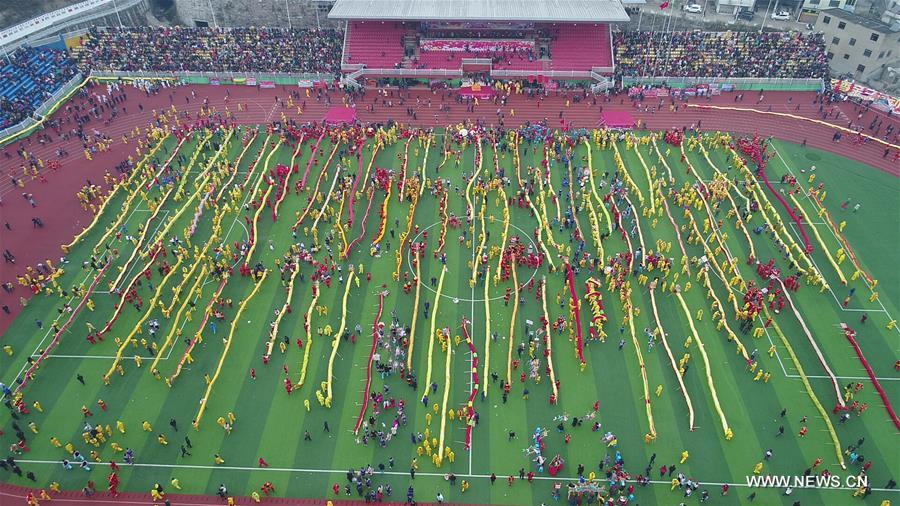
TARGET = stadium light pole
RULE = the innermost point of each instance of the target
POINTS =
(766, 17)
(669, 43)
(213, 13)
(287, 6)
(116, 8)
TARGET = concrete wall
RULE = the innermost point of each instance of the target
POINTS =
(850, 45)
(229, 13)
(13, 12)
(816, 5)
(130, 13)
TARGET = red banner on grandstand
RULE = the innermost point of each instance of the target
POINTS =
(251, 81)
(267, 84)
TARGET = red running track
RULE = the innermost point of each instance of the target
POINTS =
(63, 216)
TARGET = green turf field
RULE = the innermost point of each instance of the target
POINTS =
(271, 424)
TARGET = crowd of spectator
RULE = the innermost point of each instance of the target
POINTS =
(31, 75)
(721, 54)
(212, 49)
(27, 78)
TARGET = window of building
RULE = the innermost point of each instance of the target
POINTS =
(850, 3)
(201, 24)
(841, 25)
(867, 53)
(860, 68)
(874, 37)
(834, 3)
(852, 41)
(830, 55)
(881, 55)
(846, 56)
(826, 19)
(835, 40)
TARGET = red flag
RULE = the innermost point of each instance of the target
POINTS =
(664, 5)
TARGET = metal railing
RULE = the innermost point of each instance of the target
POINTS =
(477, 61)
(49, 104)
(17, 128)
(558, 74)
(742, 83)
(187, 75)
(356, 73)
(412, 73)
(47, 107)
(495, 73)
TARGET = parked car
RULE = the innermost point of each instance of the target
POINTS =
(693, 8)
(745, 14)
(781, 16)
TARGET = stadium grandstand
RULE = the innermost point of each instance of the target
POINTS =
(28, 78)
(472, 46)
(383, 258)
(499, 39)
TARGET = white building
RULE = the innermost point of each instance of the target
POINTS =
(818, 5)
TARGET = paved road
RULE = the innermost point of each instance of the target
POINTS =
(709, 15)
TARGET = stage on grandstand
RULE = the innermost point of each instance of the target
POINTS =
(526, 40)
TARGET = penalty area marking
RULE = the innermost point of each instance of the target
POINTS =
(788, 167)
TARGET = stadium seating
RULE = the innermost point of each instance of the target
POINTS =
(727, 54)
(212, 49)
(375, 44)
(581, 47)
(28, 78)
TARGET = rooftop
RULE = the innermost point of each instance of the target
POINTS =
(563, 11)
(872, 24)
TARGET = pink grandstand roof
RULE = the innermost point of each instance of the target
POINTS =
(562, 11)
